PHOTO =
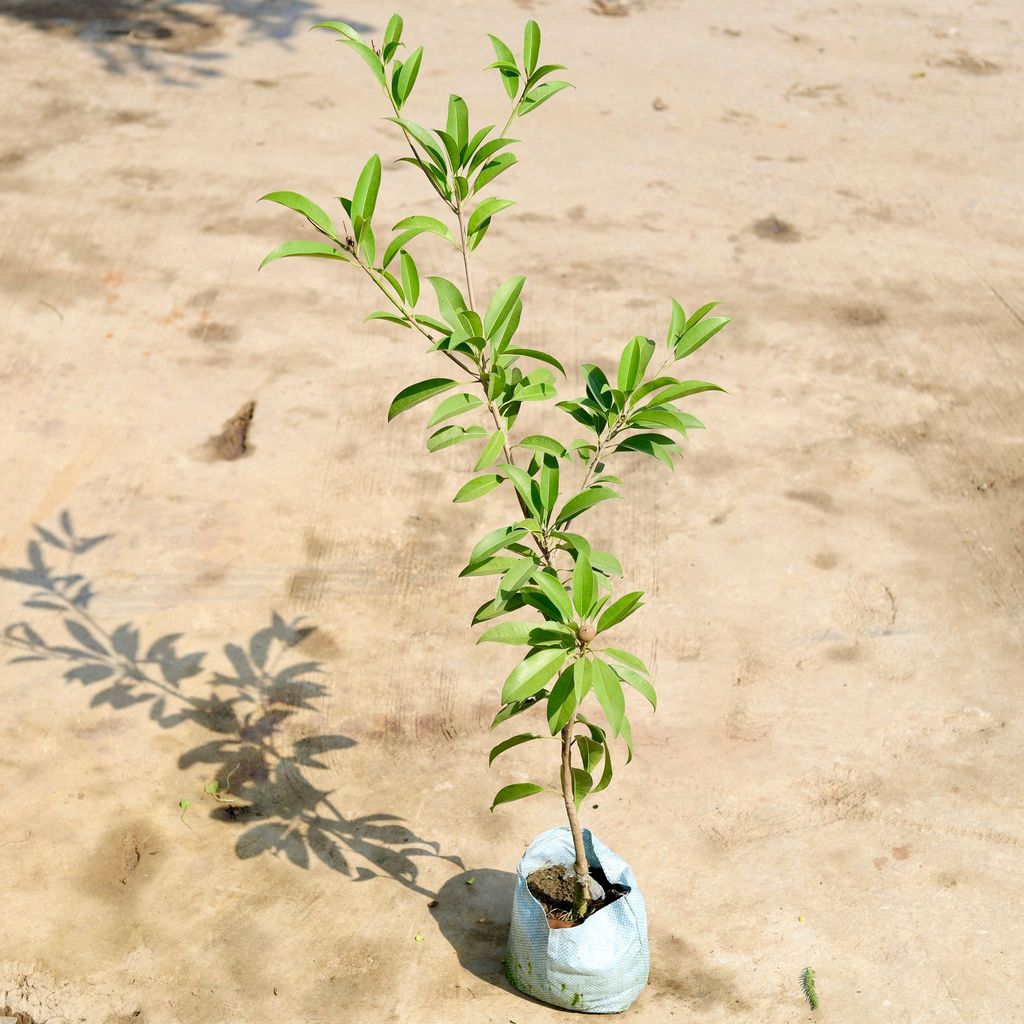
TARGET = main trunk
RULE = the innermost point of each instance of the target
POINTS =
(582, 895)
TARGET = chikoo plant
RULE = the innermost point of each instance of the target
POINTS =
(544, 566)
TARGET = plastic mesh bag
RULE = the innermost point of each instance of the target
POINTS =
(599, 966)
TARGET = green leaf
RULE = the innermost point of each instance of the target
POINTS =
(605, 562)
(410, 279)
(584, 586)
(393, 32)
(541, 94)
(561, 701)
(658, 446)
(516, 708)
(458, 125)
(583, 501)
(453, 434)
(478, 487)
(699, 334)
(590, 752)
(509, 633)
(548, 485)
(606, 775)
(423, 223)
(517, 791)
(681, 389)
(517, 576)
(514, 741)
(542, 443)
(583, 678)
(650, 387)
(553, 590)
(318, 249)
(485, 211)
(364, 199)
(525, 485)
(387, 314)
(619, 610)
(492, 450)
(598, 387)
(341, 27)
(486, 151)
(609, 694)
(638, 682)
(299, 203)
(665, 417)
(542, 357)
(501, 305)
(582, 784)
(627, 659)
(635, 357)
(699, 315)
(449, 299)
(407, 76)
(492, 169)
(495, 541)
(475, 142)
(627, 735)
(509, 79)
(533, 673)
(419, 392)
(373, 62)
(676, 325)
(531, 46)
(456, 405)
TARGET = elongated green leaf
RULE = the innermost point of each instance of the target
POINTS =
(583, 501)
(658, 446)
(584, 586)
(699, 334)
(561, 702)
(485, 211)
(458, 124)
(619, 610)
(309, 209)
(490, 566)
(509, 633)
(542, 443)
(387, 314)
(590, 752)
(606, 774)
(492, 609)
(318, 249)
(418, 392)
(699, 315)
(604, 561)
(609, 694)
(553, 590)
(582, 784)
(517, 576)
(635, 357)
(364, 199)
(627, 735)
(627, 659)
(676, 325)
(531, 46)
(532, 673)
(478, 487)
(495, 541)
(650, 387)
(407, 76)
(501, 305)
(487, 150)
(449, 299)
(666, 417)
(492, 450)
(456, 405)
(638, 682)
(410, 279)
(516, 708)
(453, 434)
(533, 353)
(525, 485)
(538, 95)
(393, 31)
(513, 741)
(517, 791)
(548, 485)
(372, 61)
(681, 390)
(430, 224)
(509, 79)
(339, 26)
(492, 169)
(583, 678)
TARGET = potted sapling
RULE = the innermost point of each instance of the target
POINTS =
(578, 936)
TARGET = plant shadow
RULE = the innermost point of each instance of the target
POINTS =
(262, 780)
(171, 40)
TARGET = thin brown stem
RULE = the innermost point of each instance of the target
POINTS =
(465, 254)
(581, 867)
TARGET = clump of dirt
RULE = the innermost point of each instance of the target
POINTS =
(553, 887)
(775, 229)
(232, 442)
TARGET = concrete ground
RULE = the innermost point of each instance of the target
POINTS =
(835, 576)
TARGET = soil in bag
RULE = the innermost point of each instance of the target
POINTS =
(553, 888)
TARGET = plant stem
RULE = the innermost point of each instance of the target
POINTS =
(465, 253)
(582, 869)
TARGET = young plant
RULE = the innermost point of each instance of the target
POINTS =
(544, 565)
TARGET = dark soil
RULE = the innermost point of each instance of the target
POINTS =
(554, 892)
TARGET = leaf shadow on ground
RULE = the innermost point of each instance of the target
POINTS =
(175, 41)
(262, 779)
